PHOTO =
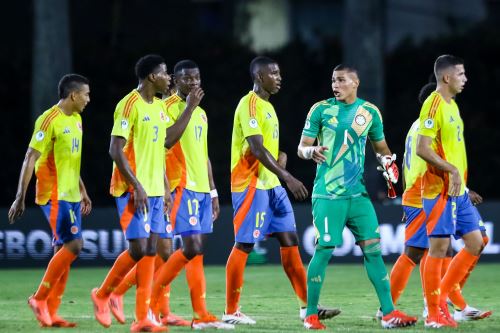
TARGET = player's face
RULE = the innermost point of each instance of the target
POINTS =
(344, 85)
(457, 79)
(161, 79)
(270, 78)
(81, 97)
(187, 79)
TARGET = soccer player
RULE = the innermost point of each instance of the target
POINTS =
(54, 153)
(137, 183)
(261, 204)
(342, 125)
(195, 200)
(446, 204)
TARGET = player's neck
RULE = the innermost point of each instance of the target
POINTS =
(147, 92)
(261, 92)
(445, 93)
(349, 100)
(65, 107)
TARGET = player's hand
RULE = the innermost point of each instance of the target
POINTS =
(475, 198)
(455, 183)
(215, 208)
(194, 97)
(389, 168)
(141, 202)
(282, 159)
(85, 204)
(315, 153)
(298, 189)
(168, 203)
(16, 210)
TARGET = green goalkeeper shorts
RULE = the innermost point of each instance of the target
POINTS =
(331, 216)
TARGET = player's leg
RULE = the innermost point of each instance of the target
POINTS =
(416, 243)
(363, 223)
(65, 221)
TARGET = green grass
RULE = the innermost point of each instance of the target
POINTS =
(267, 297)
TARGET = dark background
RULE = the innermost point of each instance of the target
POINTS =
(107, 37)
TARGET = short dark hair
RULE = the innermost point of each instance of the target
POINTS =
(147, 65)
(446, 61)
(259, 62)
(346, 67)
(425, 91)
(184, 64)
(70, 83)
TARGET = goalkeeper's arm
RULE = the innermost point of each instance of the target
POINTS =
(307, 151)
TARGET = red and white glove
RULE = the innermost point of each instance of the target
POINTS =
(390, 172)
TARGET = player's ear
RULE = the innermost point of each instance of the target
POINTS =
(151, 77)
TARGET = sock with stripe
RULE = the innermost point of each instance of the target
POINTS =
(377, 273)
(235, 268)
(295, 271)
(123, 264)
(400, 274)
(316, 276)
(60, 262)
(195, 276)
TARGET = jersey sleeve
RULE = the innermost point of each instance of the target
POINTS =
(42, 134)
(376, 131)
(124, 118)
(430, 116)
(249, 117)
(312, 125)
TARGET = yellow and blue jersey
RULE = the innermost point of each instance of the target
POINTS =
(253, 116)
(143, 125)
(413, 169)
(58, 137)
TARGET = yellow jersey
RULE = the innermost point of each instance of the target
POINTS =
(413, 169)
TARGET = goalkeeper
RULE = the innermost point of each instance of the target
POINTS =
(342, 125)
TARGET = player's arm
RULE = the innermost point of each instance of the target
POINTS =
(282, 159)
(425, 152)
(213, 193)
(86, 203)
(17, 207)
(264, 156)
(167, 198)
(116, 152)
(308, 151)
(175, 131)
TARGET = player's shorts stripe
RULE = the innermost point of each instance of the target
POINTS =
(251, 106)
(244, 209)
(415, 225)
(49, 119)
(127, 214)
(54, 212)
(128, 105)
(434, 106)
(436, 212)
(176, 206)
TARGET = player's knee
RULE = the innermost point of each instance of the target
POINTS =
(75, 246)
(245, 247)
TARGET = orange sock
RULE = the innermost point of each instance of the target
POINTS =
(455, 295)
(164, 297)
(165, 275)
(294, 269)
(55, 296)
(459, 267)
(123, 264)
(60, 262)
(444, 265)
(422, 265)
(432, 277)
(400, 274)
(128, 282)
(235, 268)
(144, 275)
(462, 283)
(158, 262)
(195, 276)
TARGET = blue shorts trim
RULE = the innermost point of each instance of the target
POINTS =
(415, 230)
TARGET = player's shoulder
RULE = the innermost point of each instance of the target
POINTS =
(432, 104)
(48, 117)
(320, 106)
(172, 100)
(127, 103)
(248, 103)
(372, 108)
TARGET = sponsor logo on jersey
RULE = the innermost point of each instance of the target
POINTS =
(253, 123)
(451, 119)
(66, 130)
(360, 120)
(429, 123)
(146, 118)
(39, 135)
(193, 220)
(268, 116)
(124, 124)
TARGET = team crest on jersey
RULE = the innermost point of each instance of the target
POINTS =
(147, 227)
(124, 124)
(429, 123)
(74, 230)
(204, 118)
(360, 120)
(193, 220)
(168, 229)
(162, 116)
(253, 123)
(256, 233)
(39, 135)
(79, 126)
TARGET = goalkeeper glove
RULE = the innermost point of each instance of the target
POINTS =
(390, 172)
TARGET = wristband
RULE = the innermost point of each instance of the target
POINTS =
(213, 193)
(307, 152)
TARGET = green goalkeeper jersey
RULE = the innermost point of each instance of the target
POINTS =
(343, 128)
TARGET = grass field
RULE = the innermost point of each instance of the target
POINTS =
(267, 297)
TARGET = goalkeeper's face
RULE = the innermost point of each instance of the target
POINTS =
(345, 85)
